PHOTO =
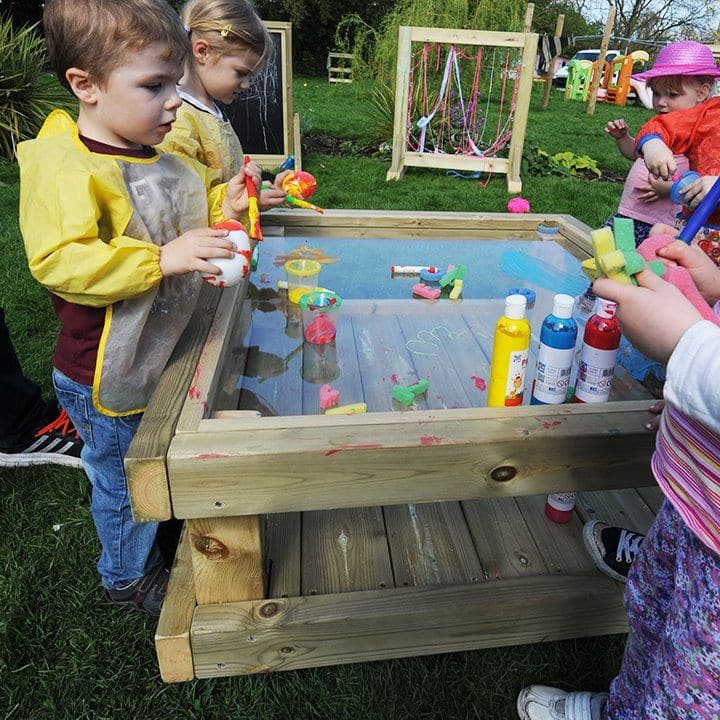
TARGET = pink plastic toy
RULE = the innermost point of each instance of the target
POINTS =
(426, 291)
(328, 397)
(518, 205)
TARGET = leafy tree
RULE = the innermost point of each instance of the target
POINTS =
(376, 50)
(546, 14)
(314, 24)
(666, 19)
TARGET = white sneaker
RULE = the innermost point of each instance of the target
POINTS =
(540, 702)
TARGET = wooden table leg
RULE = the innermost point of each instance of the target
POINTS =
(227, 559)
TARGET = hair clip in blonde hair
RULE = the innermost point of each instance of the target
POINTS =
(226, 30)
(187, 29)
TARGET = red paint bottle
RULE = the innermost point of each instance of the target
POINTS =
(559, 507)
(596, 366)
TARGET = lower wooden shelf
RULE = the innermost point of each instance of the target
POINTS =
(376, 583)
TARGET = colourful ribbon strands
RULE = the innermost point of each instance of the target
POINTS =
(446, 91)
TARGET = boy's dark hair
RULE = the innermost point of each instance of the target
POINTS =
(678, 83)
(96, 35)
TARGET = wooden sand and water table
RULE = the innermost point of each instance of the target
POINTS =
(312, 539)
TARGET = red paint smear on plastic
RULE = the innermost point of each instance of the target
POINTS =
(209, 456)
(430, 440)
(373, 446)
(480, 383)
(394, 378)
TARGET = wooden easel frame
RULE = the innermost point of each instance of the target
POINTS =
(510, 166)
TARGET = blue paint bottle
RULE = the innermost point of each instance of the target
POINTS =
(555, 356)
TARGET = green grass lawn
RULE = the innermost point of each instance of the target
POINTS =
(64, 654)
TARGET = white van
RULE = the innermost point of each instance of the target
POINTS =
(560, 75)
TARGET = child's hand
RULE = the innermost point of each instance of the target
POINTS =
(653, 316)
(281, 176)
(659, 158)
(617, 129)
(271, 197)
(190, 252)
(647, 193)
(254, 171)
(702, 269)
(656, 409)
(236, 197)
(697, 190)
(663, 229)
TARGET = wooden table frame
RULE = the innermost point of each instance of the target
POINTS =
(218, 618)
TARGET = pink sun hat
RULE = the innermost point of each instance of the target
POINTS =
(686, 57)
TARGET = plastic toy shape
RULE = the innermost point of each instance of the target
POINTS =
(406, 394)
(255, 231)
(701, 214)
(425, 291)
(681, 184)
(412, 269)
(354, 409)
(234, 269)
(299, 186)
(457, 289)
(329, 398)
(320, 331)
(431, 274)
(454, 273)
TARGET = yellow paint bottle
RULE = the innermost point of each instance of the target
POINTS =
(511, 345)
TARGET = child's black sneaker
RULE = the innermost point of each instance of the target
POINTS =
(145, 594)
(55, 443)
(613, 549)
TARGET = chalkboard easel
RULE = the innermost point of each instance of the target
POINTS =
(263, 117)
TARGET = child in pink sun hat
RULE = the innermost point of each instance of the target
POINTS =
(691, 132)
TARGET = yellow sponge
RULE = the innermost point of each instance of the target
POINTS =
(590, 268)
(603, 241)
(611, 261)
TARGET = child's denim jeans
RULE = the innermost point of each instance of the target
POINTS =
(128, 548)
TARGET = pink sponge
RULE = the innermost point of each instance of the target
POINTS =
(678, 276)
(681, 279)
(328, 397)
(518, 205)
(648, 248)
(426, 291)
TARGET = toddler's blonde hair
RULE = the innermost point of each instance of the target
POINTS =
(226, 25)
(97, 35)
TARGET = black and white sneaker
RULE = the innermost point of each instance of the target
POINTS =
(146, 594)
(612, 549)
(56, 443)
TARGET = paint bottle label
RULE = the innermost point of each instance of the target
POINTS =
(515, 383)
(596, 370)
(552, 374)
(559, 507)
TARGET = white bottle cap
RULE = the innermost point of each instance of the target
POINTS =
(563, 306)
(515, 306)
(606, 308)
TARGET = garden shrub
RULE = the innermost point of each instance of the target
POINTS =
(28, 92)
